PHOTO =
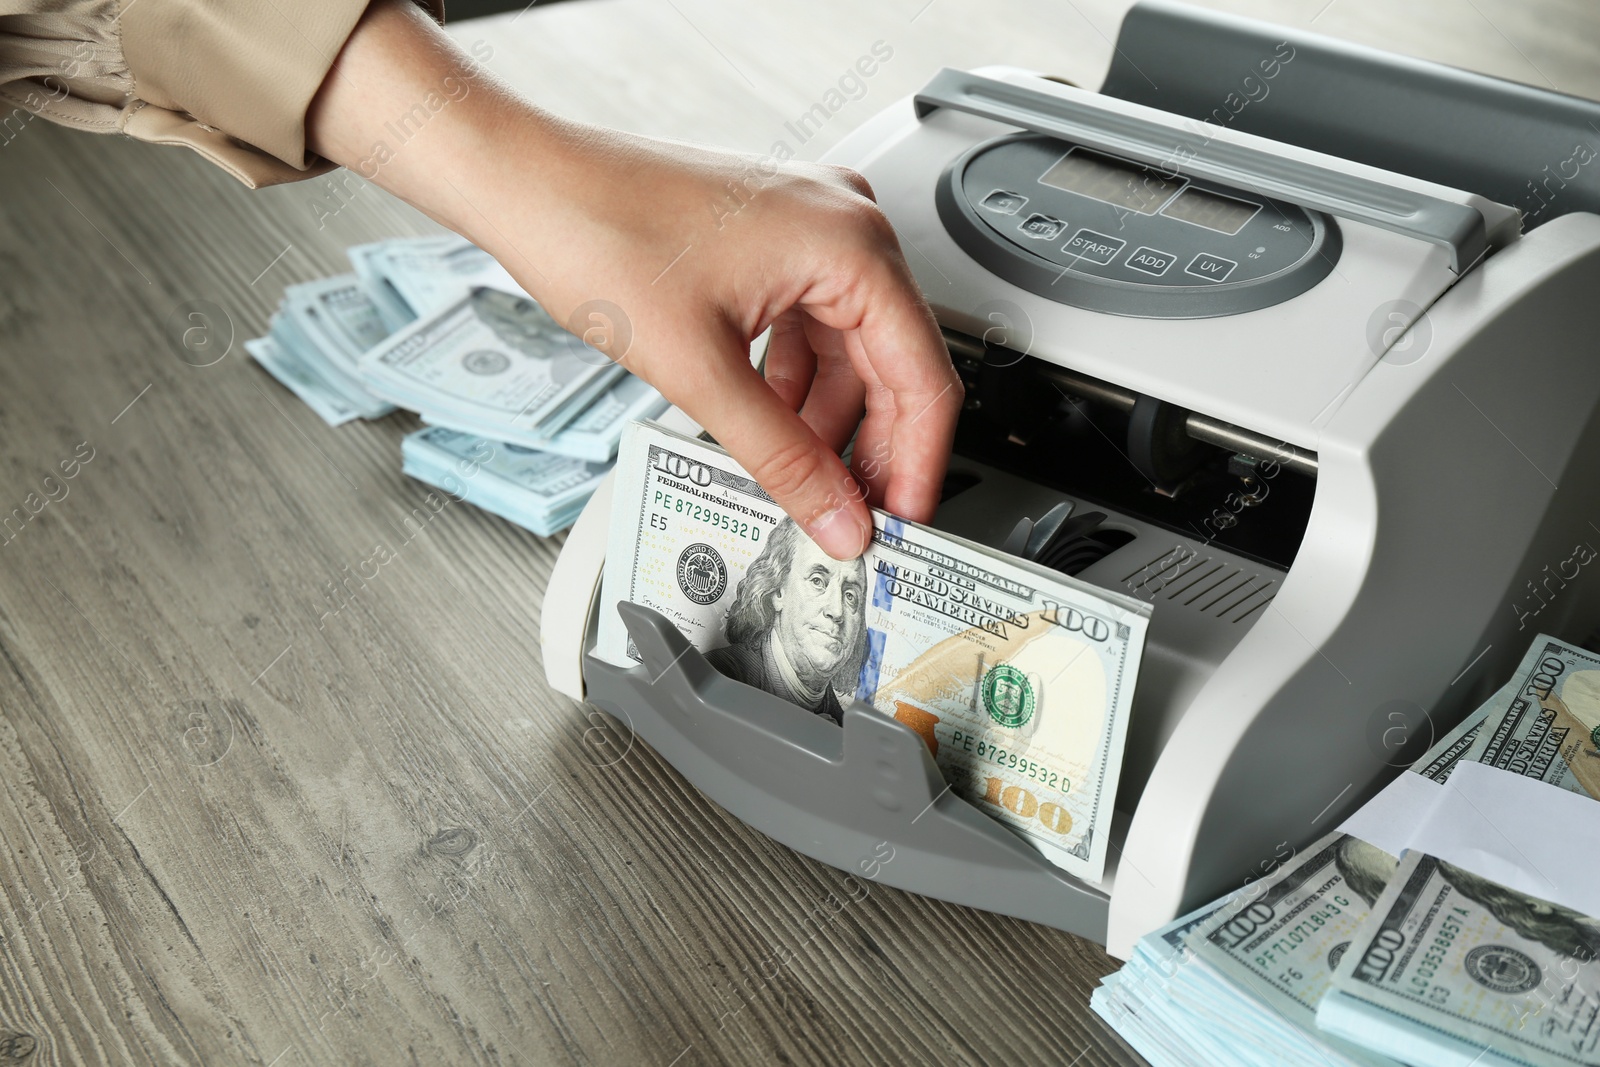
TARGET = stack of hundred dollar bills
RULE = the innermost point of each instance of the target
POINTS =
(1348, 954)
(436, 326)
(1018, 678)
(538, 490)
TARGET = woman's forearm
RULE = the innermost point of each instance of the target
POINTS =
(402, 103)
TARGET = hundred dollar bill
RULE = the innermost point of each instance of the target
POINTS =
(392, 308)
(1018, 678)
(338, 316)
(549, 483)
(325, 326)
(1456, 969)
(493, 363)
(1549, 724)
(431, 273)
(1280, 938)
(534, 489)
(1143, 1001)
(596, 433)
(1279, 944)
(1175, 1010)
(320, 396)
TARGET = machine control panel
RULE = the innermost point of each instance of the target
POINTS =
(1091, 229)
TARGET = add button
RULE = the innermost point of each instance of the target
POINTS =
(1210, 267)
(1093, 247)
(1151, 260)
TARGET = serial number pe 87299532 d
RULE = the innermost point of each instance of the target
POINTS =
(987, 750)
(666, 503)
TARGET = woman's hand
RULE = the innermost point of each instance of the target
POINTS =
(701, 250)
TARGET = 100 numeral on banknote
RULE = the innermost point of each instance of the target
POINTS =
(1019, 679)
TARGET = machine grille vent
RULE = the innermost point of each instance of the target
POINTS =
(1219, 588)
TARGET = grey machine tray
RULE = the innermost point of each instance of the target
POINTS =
(835, 794)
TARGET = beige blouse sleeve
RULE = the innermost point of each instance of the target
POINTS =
(230, 79)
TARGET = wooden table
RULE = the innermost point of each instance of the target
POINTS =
(240, 826)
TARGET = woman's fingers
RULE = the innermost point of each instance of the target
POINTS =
(815, 377)
(790, 364)
(911, 392)
(801, 473)
(837, 399)
(920, 394)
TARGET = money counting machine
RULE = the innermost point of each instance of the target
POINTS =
(1296, 340)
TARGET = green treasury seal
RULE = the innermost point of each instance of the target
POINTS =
(1008, 696)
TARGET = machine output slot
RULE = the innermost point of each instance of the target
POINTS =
(1200, 427)
(1200, 477)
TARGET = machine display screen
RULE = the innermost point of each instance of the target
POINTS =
(1110, 180)
(1211, 210)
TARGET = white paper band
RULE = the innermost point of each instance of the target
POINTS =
(1527, 835)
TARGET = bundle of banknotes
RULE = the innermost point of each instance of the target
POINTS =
(436, 326)
(1348, 954)
(1018, 678)
(537, 490)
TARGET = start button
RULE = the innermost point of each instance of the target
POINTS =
(1092, 247)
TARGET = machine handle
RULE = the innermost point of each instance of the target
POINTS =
(1458, 227)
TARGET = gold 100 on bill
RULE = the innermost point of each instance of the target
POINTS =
(1019, 679)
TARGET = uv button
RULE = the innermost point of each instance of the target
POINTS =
(1211, 268)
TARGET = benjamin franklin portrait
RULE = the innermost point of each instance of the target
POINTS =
(1366, 868)
(797, 627)
(1560, 929)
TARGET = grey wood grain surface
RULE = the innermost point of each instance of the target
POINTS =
(249, 818)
